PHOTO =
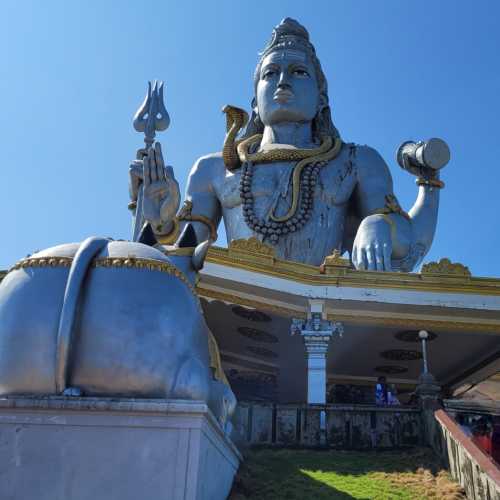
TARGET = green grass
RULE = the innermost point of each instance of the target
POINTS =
(310, 474)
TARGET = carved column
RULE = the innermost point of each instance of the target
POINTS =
(317, 333)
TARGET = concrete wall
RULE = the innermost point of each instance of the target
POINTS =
(468, 464)
(346, 426)
(112, 449)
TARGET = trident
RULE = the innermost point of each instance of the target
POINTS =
(149, 118)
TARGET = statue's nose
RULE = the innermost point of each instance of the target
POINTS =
(283, 81)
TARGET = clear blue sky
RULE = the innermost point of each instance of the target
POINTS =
(72, 74)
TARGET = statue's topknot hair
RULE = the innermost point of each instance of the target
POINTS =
(289, 34)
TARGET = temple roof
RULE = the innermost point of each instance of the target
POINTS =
(250, 296)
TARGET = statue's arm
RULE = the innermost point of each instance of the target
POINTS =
(155, 198)
(201, 206)
(385, 233)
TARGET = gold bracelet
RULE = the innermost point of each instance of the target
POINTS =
(392, 206)
(421, 181)
(185, 213)
(171, 237)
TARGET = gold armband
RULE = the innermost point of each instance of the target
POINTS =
(186, 215)
(171, 237)
(421, 181)
(392, 206)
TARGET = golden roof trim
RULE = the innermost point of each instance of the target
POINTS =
(446, 267)
(252, 247)
(335, 271)
(406, 322)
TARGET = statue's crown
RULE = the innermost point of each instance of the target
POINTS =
(289, 34)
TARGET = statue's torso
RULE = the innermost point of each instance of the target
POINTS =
(272, 187)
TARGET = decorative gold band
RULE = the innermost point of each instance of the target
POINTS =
(421, 181)
(392, 206)
(185, 213)
(203, 220)
(129, 262)
(171, 237)
(42, 262)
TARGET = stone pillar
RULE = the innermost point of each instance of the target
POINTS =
(316, 332)
(316, 348)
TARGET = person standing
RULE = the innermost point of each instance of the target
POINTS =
(381, 395)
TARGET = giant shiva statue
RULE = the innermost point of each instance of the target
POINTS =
(120, 318)
(289, 179)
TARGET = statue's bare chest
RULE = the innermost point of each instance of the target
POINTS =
(272, 184)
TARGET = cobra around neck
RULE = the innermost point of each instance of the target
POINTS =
(293, 134)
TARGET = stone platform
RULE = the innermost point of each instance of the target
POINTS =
(105, 449)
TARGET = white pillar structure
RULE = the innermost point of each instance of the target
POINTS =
(316, 332)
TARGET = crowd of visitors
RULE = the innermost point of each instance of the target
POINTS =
(484, 430)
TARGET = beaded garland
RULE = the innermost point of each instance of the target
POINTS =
(308, 169)
(272, 229)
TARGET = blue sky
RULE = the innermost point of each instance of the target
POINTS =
(73, 73)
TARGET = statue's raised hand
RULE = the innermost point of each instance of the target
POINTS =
(161, 197)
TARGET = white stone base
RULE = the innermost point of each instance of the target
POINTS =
(112, 449)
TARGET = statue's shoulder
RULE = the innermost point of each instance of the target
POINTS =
(208, 167)
(212, 162)
(368, 160)
(362, 153)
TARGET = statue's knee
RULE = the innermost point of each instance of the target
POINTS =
(192, 381)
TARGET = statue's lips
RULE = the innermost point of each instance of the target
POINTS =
(283, 96)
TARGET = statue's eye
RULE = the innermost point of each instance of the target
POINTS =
(300, 72)
(268, 73)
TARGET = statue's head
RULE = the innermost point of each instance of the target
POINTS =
(289, 84)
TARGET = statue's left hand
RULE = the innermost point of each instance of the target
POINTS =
(372, 247)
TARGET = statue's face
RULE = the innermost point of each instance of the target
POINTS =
(287, 90)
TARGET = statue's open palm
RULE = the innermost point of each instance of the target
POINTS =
(161, 191)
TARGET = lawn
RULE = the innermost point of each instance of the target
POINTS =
(316, 474)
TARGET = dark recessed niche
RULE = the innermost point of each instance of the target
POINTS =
(251, 314)
(261, 351)
(401, 355)
(257, 335)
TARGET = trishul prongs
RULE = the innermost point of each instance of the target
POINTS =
(152, 115)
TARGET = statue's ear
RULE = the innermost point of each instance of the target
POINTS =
(254, 105)
(322, 102)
